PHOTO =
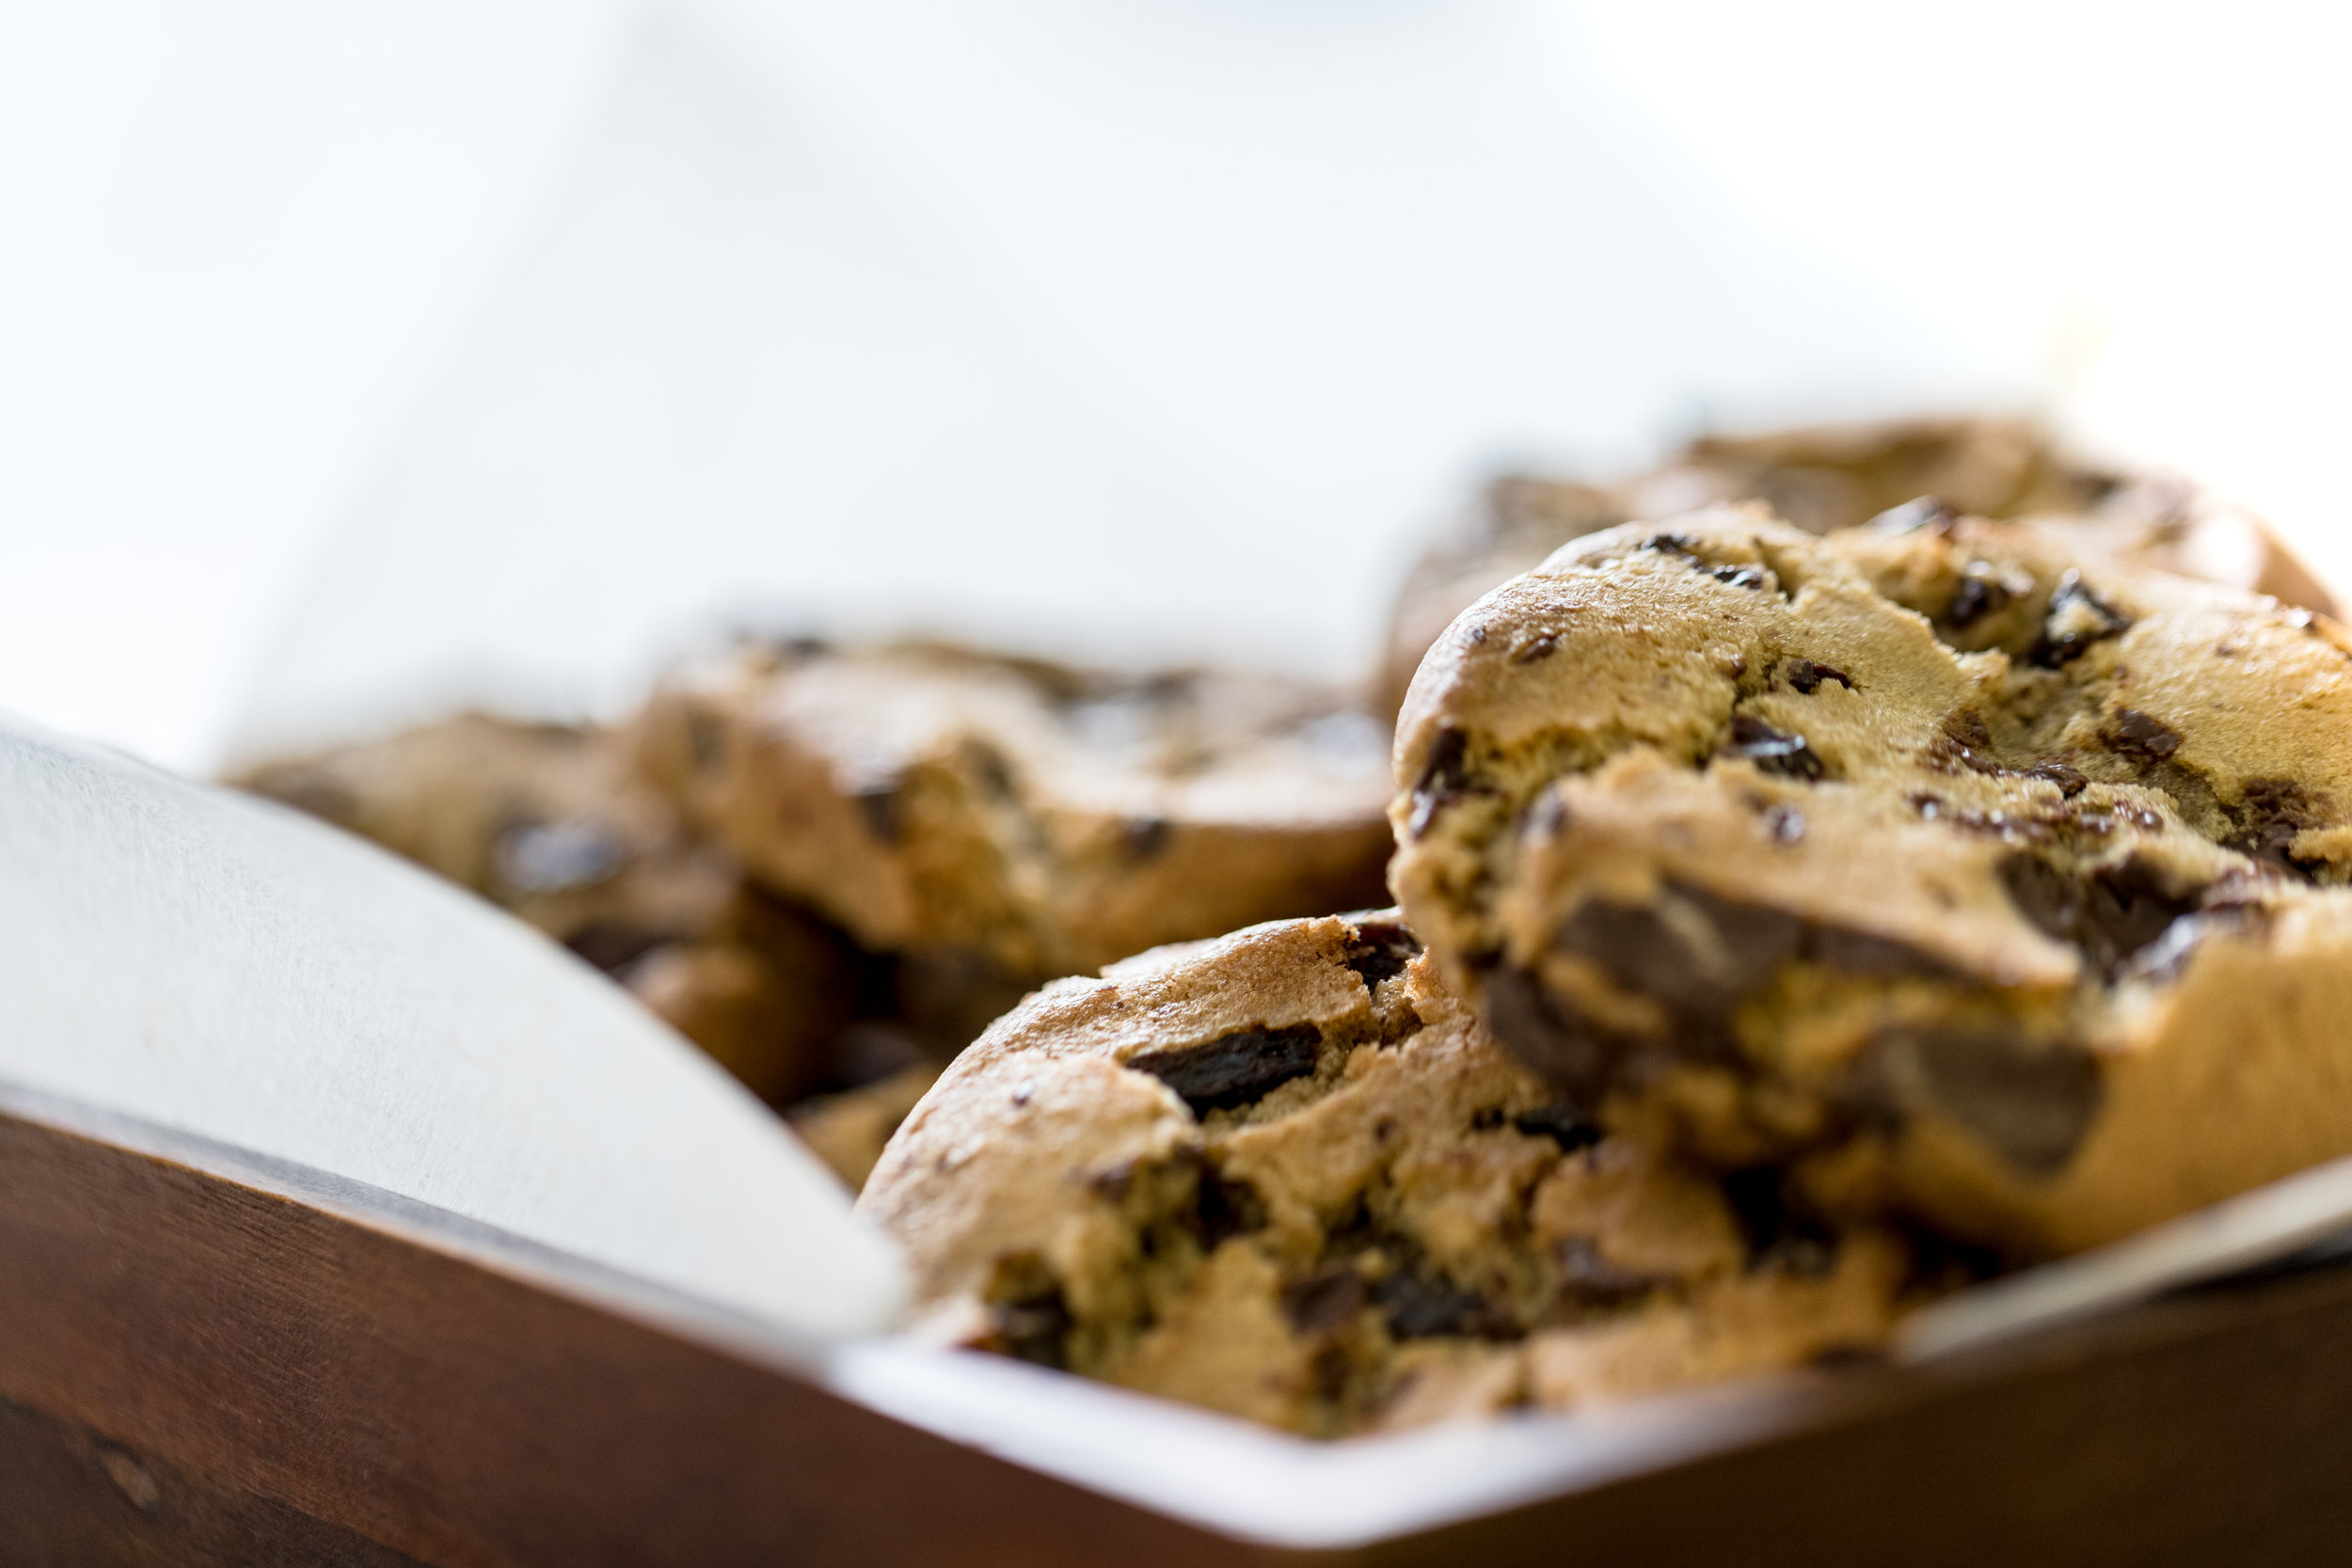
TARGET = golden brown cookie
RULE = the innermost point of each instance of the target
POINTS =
(1286, 1175)
(1014, 820)
(1831, 477)
(1991, 881)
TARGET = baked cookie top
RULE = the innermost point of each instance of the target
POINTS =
(1830, 477)
(1051, 820)
(1719, 807)
(1287, 1175)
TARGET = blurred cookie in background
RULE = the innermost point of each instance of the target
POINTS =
(998, 821)
(1829, 476)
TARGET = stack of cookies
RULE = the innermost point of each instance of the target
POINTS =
(1805, 913)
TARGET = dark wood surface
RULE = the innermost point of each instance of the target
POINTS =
(199, 1367)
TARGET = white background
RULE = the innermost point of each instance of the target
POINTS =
(427, 350)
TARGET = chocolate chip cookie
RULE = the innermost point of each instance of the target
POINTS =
(1832, 477)
(1287, 1175)
(1979, 878)
(997, 817)
(548, 822)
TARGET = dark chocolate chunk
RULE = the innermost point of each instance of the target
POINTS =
(1589, 1278)
(1978, 596)
(1327, 1299)
(2141, 735)
(1807, 676)
(2076, 620)
(1419, 1307)
(2107, 913)
(1028, 1318)
(1925, 512)
(1652, 950)
(2069, 781)
(1779, 1233)
(1565, 1125)
(1221, 1207)
(1738, 577)
(1235, 1068)
(1143, 837)
(1671, 544)
(1540, 646)
(612, 945)
(878, 803)
(1572, 1053)
(1772, 750)
(1443, 777)
(706, 740)
(2273, 813)
(2030, 1104)
(1380, 949)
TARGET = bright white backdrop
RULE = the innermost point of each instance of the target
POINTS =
(378, 354)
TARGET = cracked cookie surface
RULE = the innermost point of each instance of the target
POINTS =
(1985, 881)
(1287, 1175)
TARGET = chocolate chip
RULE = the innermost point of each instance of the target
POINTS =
(1589, 1278)
(2031, 1105)
(1379, 950)
(878, 803)
(1443, 778)
(1221, 1208)
(1538, 647)
(1671, 544)
(1143, 837)
(706, 740)
(1976, 598)
(1028, 1317)
(1419, 1307)
(2274, 811)
(1738, 577)
(612, 945)
(2107, 915)
(1807, 676)
(2143, 736)
(1478, 634)
(1327, 1299)
(1772, 750)
(1571, 1052)
(1778, 1232)
(1563, 1124)
(2076, 620)
(2069, 781)
(1913, 515)
(1700, 955)
(1233, 1069)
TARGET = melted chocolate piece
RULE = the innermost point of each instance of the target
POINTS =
(1444, 780)
(1772, 750)
(2107, 914)
(2274, 811)
(2069, 781)
(1976, 598)
(1235, 1068)
(1538, 647)
(1564, 1047)
(1671, 544)
(2077, 619)
(1143, 837)
(1419, 1308)
(1738, 577)
(1327, 1299)
(1028, 1318)
(1778, 1233)
(1222, 1208)
(2141, 735)
(1563, 1124)
(1807, 676)
(1380, 949)
(878, 803)
(2031, 1105)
